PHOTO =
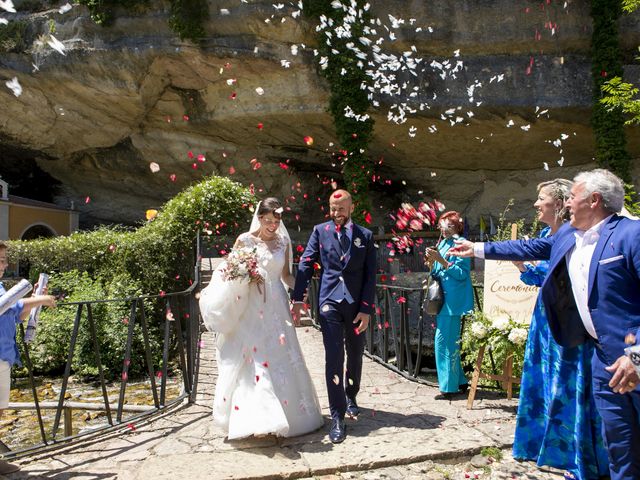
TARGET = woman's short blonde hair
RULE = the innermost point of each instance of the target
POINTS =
(559, 189)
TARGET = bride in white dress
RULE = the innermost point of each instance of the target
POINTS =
(263, 384)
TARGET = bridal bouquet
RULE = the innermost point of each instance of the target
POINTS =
(242, 263)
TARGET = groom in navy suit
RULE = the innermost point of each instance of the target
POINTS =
(592, 294)
(347, 256)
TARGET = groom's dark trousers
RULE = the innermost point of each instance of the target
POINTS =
(338, 335)
(347, 287)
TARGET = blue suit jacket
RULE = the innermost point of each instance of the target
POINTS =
(359, 273)
(614, 283)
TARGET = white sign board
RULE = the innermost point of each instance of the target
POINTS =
(505, 295)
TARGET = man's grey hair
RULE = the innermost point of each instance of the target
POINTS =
(606, 184)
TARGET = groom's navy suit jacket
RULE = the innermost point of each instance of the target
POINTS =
(614, 283)
(357, 275)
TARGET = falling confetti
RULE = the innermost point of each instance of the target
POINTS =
(308, 140)
(14, 86)
(56, 44)
(151, 214)
(154, 167)
(7, 5)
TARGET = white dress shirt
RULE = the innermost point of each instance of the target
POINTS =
(579, 262)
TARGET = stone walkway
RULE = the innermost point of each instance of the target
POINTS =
(403, 432)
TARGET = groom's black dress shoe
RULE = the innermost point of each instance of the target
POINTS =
(352, 408)
(338, 431)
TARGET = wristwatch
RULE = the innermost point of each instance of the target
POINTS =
(634, 355)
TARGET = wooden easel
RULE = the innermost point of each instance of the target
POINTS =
(506, 378)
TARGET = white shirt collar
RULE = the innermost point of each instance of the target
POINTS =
(593, 234)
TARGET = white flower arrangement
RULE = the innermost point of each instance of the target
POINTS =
(478, 330)
(501, 324)
(502, 337)
(518, 336)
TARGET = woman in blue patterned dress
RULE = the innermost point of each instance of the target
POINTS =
(557, 423)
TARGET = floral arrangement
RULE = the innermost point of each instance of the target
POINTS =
(503, 337)
(242, 263)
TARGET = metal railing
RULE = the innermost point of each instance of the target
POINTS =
(180, 340)
(400, 334)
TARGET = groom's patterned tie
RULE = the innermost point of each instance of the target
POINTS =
(344, 244)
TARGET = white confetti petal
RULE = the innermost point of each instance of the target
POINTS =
(7, 5)
(14, 86)
(260, 91)
(154, 167)
(65, 8)
(56, 44)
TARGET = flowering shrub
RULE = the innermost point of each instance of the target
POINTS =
(501, 336)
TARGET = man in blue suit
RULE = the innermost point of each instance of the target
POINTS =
(592, 293)
(347, 255)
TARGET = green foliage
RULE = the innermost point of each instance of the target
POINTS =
(493, 452)
(13, 37)
(187, 18)
(346, 76)
(501, 337)
(607, 122)
(503, 229)
(621, 96)
(112, 263)
(631, 200)
(630, 5)
(158, 254)
(50, 347)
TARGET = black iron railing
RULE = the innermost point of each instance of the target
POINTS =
(180, 341)
(400, 334)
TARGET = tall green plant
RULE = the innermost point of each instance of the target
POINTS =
(346, 76)
(608, 123)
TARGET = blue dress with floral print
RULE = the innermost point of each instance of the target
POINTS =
(557, 423)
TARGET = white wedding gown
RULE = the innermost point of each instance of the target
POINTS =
(263, 384)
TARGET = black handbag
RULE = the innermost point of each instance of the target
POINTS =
(433, 296)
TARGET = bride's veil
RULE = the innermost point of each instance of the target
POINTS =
(282, 231)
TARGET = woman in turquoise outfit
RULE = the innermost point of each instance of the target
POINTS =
(454, 275)
(557, 423)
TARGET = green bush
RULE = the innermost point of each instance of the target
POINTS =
(13, 37)
(187, 17)
(112, 263)
(50, 347)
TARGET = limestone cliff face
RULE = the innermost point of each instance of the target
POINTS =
(133, 93)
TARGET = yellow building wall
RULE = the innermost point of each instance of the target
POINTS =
(22, 217)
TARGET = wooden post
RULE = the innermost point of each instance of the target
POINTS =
(475, 379)
(506, 378)
(68, 421)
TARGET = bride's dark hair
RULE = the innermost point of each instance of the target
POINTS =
(270, 205)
